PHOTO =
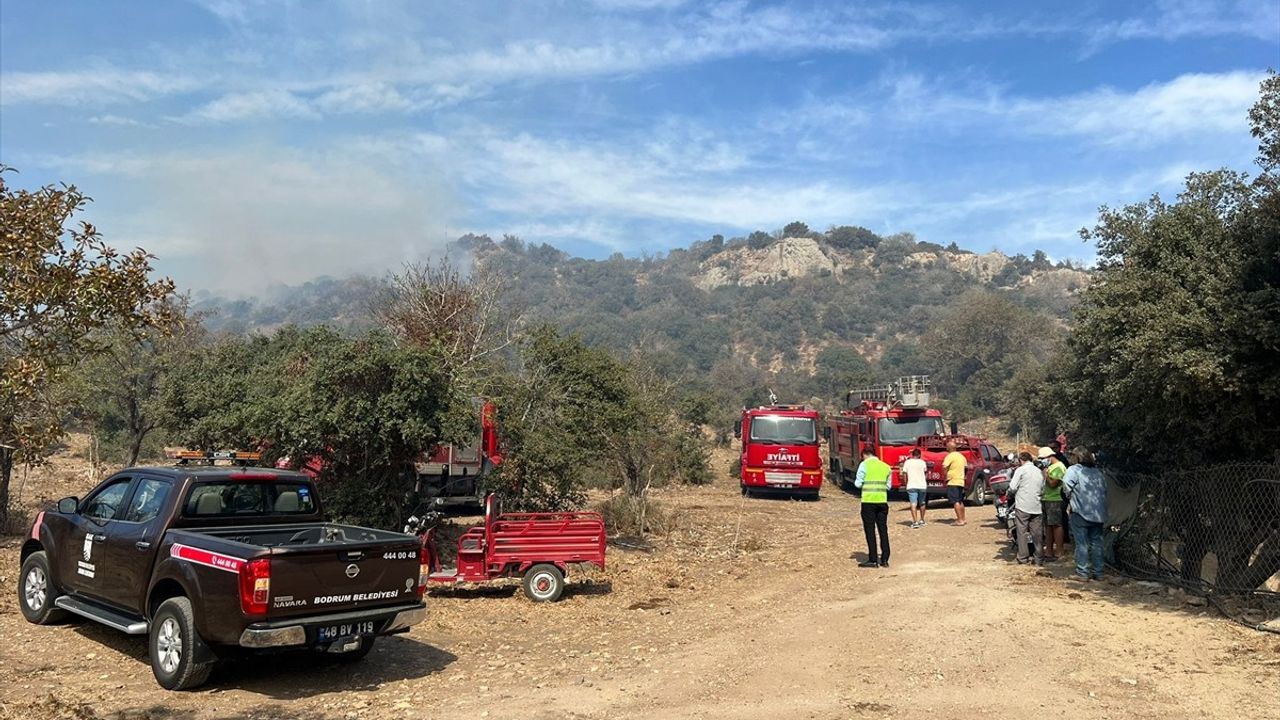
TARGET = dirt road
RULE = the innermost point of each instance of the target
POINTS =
(750, 609)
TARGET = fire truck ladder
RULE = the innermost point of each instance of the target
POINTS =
(911, 391)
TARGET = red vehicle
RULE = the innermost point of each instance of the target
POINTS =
(537, 547)
(780, 450)
(890, 418)
(986, 470)
(452, 475)
(447, 475)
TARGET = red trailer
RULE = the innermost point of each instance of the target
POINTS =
(538, 547)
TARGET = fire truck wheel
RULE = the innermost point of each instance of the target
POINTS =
(543, 583)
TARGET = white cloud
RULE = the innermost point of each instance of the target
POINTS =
(264, 105)
(89, 87)
(110, 119)
(1176, 19)
(371, 97)
(1192, 104)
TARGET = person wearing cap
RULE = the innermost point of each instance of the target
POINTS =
(1052, 502)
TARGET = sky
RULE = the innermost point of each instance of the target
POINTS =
(247, 143)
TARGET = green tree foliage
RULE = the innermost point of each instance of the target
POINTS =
(978, 346)
(117, 391)
(848, 237)
(573, 412)
(795, 229)
(1183, 329)
(361, 408)
(59, 282)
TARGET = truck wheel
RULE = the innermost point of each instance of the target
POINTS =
(543, 583)
(979, 495)
(36, 591)
(174, 645)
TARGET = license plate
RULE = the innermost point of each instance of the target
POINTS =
(333, 632)
(782, 478)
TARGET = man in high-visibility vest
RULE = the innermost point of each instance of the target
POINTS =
(873, 479)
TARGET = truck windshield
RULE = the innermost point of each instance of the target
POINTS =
(905, 430)
(783, 430)
(232, 498)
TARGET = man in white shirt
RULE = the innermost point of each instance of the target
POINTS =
(917, 487)
(1027, 487)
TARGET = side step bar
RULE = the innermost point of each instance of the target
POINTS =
(106, 616)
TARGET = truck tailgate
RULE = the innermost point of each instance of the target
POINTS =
(316, 579)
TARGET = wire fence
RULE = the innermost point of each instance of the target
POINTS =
(1213, 531)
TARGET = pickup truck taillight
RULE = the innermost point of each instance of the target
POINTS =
(255, 586)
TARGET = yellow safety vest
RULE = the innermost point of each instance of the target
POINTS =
(875, 483)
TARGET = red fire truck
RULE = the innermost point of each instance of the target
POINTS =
(780, 450)
(451, 475)
(890, 418)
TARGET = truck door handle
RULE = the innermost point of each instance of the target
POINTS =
(142, 545)
(99, 538)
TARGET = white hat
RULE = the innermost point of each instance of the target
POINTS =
(1046, 452)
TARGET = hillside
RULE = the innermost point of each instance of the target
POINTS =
(797, 311)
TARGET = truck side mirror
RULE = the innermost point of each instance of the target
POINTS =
(737, 429)
(826, 433)
(68, 505)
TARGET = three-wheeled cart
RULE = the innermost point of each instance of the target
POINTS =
(538, 547)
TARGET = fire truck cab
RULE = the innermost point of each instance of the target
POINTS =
(889, 418)
(780, 451)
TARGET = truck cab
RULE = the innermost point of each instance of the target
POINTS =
(889, 419)
(780, 452)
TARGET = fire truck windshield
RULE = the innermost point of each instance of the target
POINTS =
(784, 430)
(905, 430)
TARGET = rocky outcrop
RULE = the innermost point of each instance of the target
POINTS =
(786, 258)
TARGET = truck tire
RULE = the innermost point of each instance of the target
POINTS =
(173, 645)
(36, 591)
(978, 496)
(543, 583)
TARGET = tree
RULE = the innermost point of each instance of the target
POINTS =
(795, 229)
(459, 319)
(849, 237)
(59, 282)
(980, 343)
(551, 414)
(1175, 352)
(360, 409)
(117, 391)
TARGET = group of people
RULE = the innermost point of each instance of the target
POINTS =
(1041, 489)
(1047, 491)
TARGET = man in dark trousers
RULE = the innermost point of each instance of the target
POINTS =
(873, 479)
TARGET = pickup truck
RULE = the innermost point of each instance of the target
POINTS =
(207, 561)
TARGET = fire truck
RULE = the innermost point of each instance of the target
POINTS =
(451, 475)
(890, 418)
(780, 450)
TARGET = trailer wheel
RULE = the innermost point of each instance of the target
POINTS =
(174, 646)
(543, 583)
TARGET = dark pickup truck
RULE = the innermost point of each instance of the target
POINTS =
(209, 560)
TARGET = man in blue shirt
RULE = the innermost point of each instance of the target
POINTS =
(1086, 490)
